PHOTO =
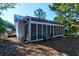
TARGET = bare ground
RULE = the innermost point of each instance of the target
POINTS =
(51, 47)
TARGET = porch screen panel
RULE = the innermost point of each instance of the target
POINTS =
(58, 30)
(51, 31)
(48, 28)
(33, 31)
(62, 30)
(39, 31)
(55, 30)
(44, 30)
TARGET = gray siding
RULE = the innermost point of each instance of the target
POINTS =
(19, 29)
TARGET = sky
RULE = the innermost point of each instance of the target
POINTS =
(27, 9)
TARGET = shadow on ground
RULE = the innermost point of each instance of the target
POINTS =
(7, 48)
(67, 45)
(10, 48)
(51, 47)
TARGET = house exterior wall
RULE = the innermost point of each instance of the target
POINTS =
(38, 30)
(19, 30)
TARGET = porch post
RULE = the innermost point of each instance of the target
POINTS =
(50, 30)
(42, 31)
(36, 31)
(53, 30)
(29, 29)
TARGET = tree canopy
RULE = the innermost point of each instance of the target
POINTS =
(2, 26)
(5, 24)
(39, 13)
(69, 12)
(9, 25)
(6, 6)
(59, 19)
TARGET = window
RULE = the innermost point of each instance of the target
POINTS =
(39, 31)
(33, 31)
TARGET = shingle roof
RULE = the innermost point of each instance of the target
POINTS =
(21, 18)
(18, 17)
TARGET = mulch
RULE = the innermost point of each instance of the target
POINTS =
(52, 47)
(67, 45)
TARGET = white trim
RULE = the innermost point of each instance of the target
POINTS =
(46, 38)
(36, 40)
(58, 35)
(53, 30)
(42, 30)
(36, 31)
(17, 29)
(37, 22)
(29, 29)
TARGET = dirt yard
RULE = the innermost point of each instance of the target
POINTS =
(52, 47)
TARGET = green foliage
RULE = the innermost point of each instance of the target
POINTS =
(66, 9)
(6, 6)
(59, 19)
(39, 13)
(70, 14)
(2, 26)
(9, 25)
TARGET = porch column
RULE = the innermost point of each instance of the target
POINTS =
(29, 30)
(50, 30)
(53, 30)
(42, 30)
(36, 31)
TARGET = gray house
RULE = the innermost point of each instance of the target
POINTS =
(35, 29)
